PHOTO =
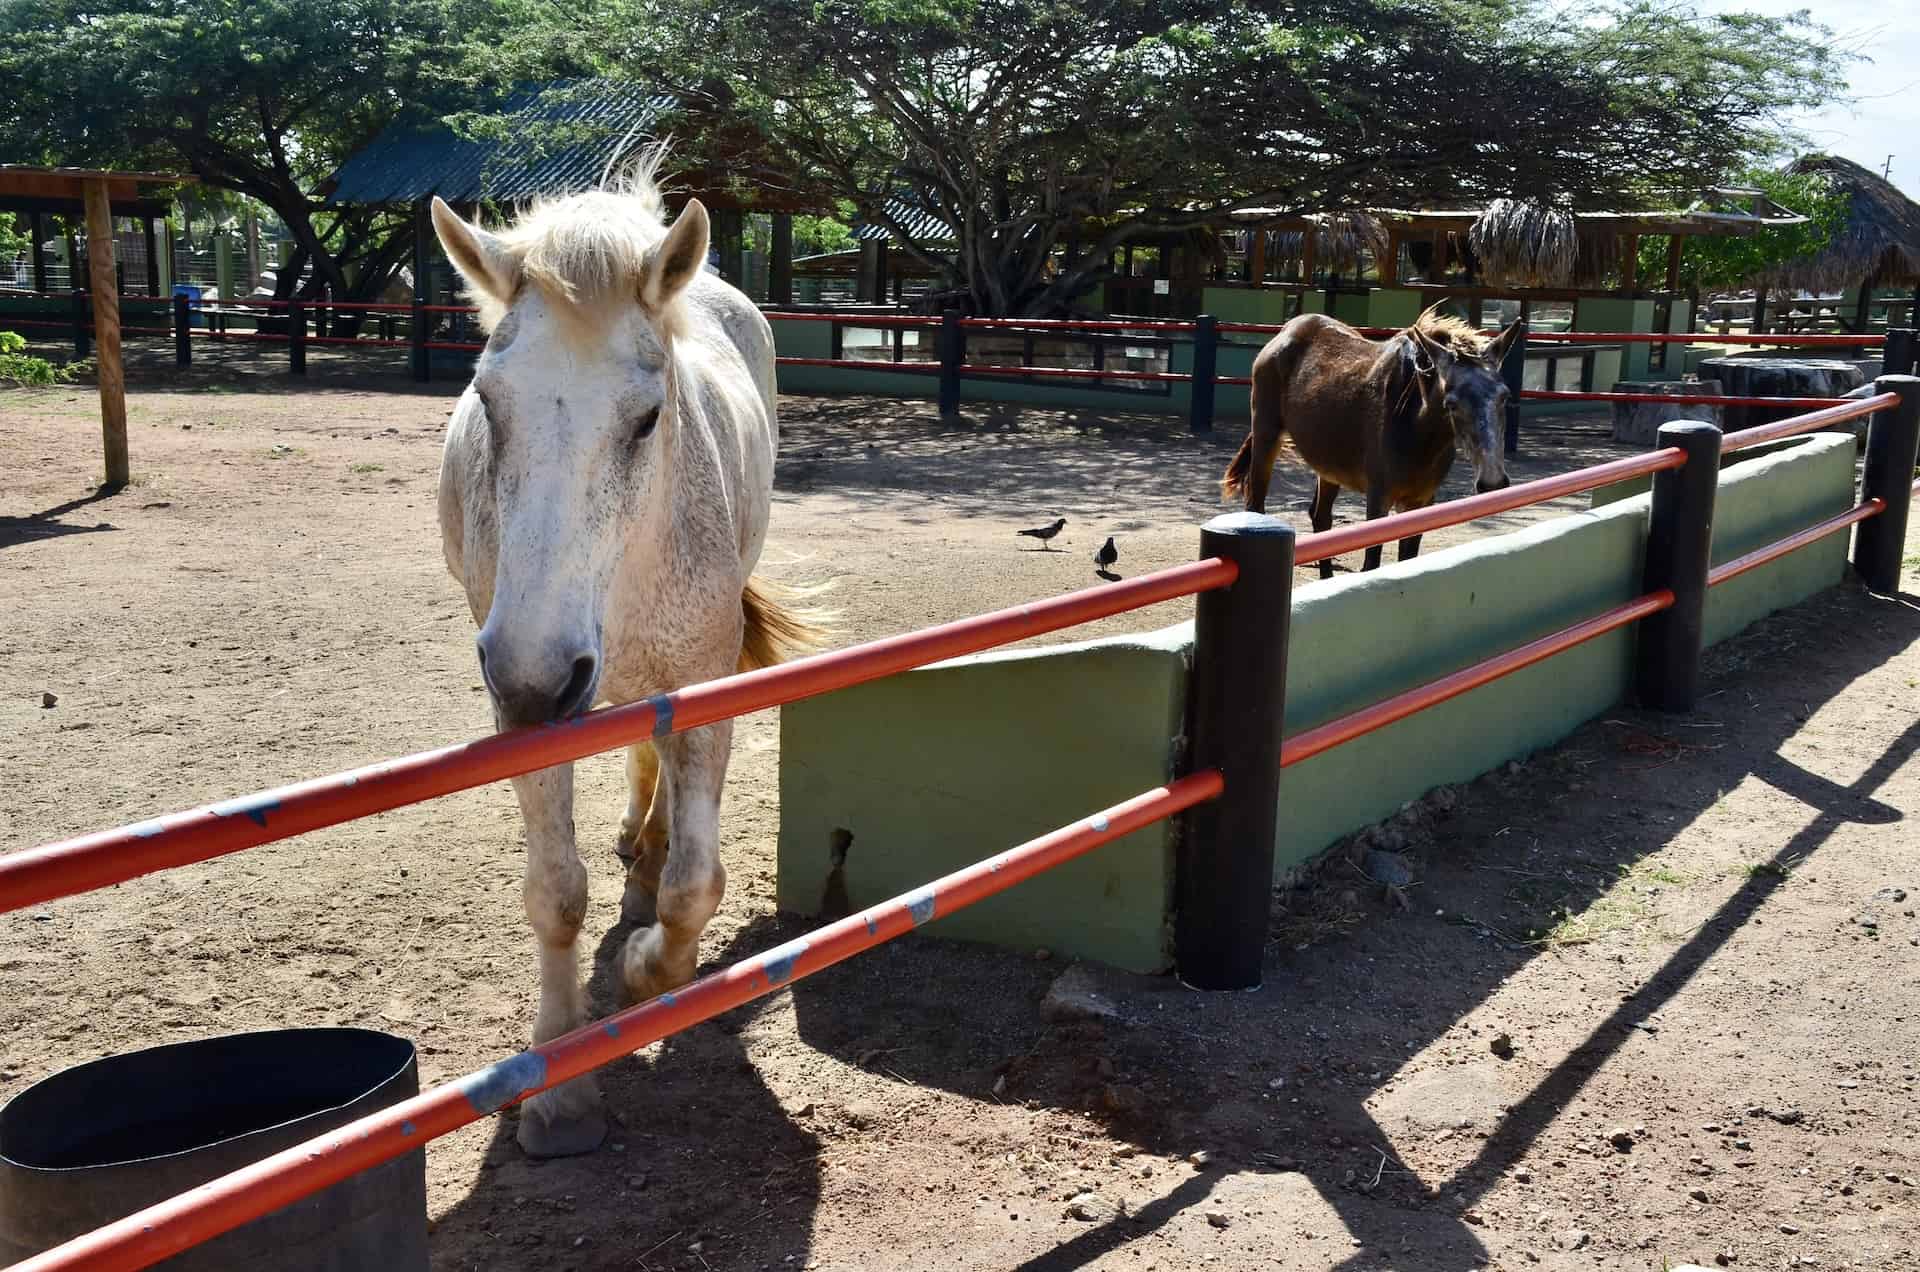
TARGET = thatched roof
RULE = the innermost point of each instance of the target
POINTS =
(1523, 244)
(1879, 240)
(1341, 241)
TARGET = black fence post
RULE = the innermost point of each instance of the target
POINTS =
(1223, 876)
(296, 337)
(417, 350)
(1897, 357)
(82, 304)
(1206, 358)
(1679, 544)
(1513, 371)
(953, 346)
(182, 332)
(1892, 438)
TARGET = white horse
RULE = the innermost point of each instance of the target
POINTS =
(603, 498)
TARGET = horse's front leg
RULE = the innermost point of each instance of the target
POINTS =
(566, 1119)
(1376, 508)
(662, 957)
(1320, 514)
(1410, 546)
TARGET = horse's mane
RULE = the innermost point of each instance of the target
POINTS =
(586, 249)
(1450, 331)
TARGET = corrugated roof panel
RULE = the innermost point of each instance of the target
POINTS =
(412, 159)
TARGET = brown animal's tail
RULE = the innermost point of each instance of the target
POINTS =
(1234, 484)
(779, 626)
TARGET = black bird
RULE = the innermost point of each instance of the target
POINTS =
(1043, 533)
(1107, 554)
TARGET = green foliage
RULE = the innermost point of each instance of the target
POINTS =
(20, 369)
(1737, 260)
(264, 97)
(1021, 125)
(14, 238)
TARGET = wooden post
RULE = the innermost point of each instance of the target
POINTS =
(1309, 253)
(1893, 437)
(1437, 271)
(1257, 259)
(953, 348)
(106, 332)
(780, 269)
(1388, 267)
(153, 257)
(1513, 373)
(182, 332)
(1675, 243)
(1758, 324)
(296, 336)
(419, 354)
(1630, 264)
(1206, 348)
(1223, 873)
(39, 257)
(1679, 542)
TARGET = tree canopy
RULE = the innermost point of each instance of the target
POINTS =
(263, 97)
(1022, 125)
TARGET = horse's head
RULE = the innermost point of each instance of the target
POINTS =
(573, 408)
(1460, 380)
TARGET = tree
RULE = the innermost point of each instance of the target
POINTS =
(1023, 126)
(262, 97)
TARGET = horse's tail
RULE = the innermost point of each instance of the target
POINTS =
(779, 623)
(1234, 484)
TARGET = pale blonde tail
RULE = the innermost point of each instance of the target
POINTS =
(779, 626)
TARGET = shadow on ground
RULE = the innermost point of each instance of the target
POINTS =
(1347, 1000)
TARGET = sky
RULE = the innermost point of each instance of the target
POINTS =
(1885, 118)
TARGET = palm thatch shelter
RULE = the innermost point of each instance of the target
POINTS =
(1878, 244)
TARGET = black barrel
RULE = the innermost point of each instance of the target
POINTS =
(101, 1140)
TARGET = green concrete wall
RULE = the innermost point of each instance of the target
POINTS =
(940, 767)
(1245, 304)
(1393, 307)
(937, 768)
(1617, 314)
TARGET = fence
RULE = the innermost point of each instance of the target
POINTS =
(1229, 792)
(287, 322)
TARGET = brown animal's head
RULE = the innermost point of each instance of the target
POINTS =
(1458, 373)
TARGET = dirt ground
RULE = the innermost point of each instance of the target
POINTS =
(1697, 935)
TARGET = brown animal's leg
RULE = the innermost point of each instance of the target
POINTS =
(1321, 514)
(1376, 508)
(662, 957)
(644, 832)
(1410, 546)
(1269, 384)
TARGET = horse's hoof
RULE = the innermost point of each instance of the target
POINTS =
(561, 1132)
(643, 971)
(626, 845)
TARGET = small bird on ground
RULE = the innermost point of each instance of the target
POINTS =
(1043, 533)
(1107, 555)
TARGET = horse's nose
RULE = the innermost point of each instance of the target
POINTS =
(1484, 486)
(540, 689)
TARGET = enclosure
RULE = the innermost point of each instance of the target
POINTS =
(209, 631)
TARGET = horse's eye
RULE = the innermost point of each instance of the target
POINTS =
(644, 426)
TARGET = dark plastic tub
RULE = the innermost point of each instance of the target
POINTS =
(101, 1140)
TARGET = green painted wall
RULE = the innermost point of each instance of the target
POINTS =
(1617, 314)
(937, 768)
(1393, 307)
(1245, 304)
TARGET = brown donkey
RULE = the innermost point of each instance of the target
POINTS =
(1383, 417)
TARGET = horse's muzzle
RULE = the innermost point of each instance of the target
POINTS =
(1482, 487)
(537, 695)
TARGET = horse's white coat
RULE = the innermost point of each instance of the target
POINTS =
(604, 494)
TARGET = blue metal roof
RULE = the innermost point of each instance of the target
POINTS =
(414, 158)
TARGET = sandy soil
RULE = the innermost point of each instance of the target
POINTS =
(1676, 923)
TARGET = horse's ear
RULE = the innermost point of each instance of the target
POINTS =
(482, 259)
(1497, 347)
(678, 258)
